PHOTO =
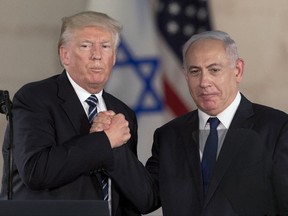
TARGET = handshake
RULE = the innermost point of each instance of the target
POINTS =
(114, 125)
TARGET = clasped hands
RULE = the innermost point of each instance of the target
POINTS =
(114, 125)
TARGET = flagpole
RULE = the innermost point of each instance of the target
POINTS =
(5, 108)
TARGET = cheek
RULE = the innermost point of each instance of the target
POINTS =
(68, 60)
(225, 81)
(109, 62)
(192, 83)
(193, 88)
(228, 86)
(78, 57)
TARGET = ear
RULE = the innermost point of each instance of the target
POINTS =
(114, 57)
(64, 55)
(239, 69)
(184, 71)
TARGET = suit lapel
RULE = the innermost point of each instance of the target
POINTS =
(110, 105)
(71, 104)
(190, 135)
(235, 136)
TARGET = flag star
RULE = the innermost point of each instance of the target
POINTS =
(190, 11)
(188, 30)
(177, 21)
(186, 21)
(202, 14)
(145, 69)
(174, 8)
(172, 27)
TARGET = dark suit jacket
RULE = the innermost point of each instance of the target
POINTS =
(55, 155)
(251, 174)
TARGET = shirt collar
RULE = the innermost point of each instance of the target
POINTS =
(82, 93)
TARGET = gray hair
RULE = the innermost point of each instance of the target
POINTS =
(228, 42)
(85, 19)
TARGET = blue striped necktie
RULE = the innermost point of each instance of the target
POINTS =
(92, 112)
(105, 186)
(92, 101)
(210, 153)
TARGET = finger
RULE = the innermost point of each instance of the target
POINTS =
(102, 118)
(127, 137)
(120, 118)
(98, 127)
(110, 112)
(107, 113)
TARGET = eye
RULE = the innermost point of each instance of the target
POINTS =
(194, 71)
(85, 45)
(106, 45)
(214, 70)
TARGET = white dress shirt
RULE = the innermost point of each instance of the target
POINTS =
(101, 106)
(225, 119)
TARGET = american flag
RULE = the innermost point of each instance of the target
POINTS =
(176, 22)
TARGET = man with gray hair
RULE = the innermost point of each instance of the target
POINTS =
(227, 157)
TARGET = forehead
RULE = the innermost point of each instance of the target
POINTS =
(93, 32)
(206, 49)
(207, 45)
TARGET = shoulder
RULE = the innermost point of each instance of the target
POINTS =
(38, 87)
(270, 114)
(260, 112)
(38, 93)
(188, 119)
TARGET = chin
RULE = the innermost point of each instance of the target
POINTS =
(210, 110)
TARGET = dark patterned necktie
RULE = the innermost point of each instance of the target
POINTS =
(210, 153)
(92, 112)
(105, 186)
(92, 102)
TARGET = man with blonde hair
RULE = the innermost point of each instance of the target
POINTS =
(59, 154)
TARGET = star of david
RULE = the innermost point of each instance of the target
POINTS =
(145, 77)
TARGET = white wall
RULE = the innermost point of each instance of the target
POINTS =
(29, 33)
(261, 32)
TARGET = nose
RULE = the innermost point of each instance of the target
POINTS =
(205, 79)
(95, 54)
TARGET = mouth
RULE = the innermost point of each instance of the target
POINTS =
(96, 69)
(207, 95)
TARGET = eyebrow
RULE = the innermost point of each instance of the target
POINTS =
(86, 41)
(106, 41)
(90, 41)
(214, 64)
(209, 66)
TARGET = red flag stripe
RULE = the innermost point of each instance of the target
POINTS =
(172, 99)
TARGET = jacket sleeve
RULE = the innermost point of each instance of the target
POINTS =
(133, 180)
(280, 171)
(49, 152)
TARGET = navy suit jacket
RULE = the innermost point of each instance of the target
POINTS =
(55, 155)
(251, 174)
